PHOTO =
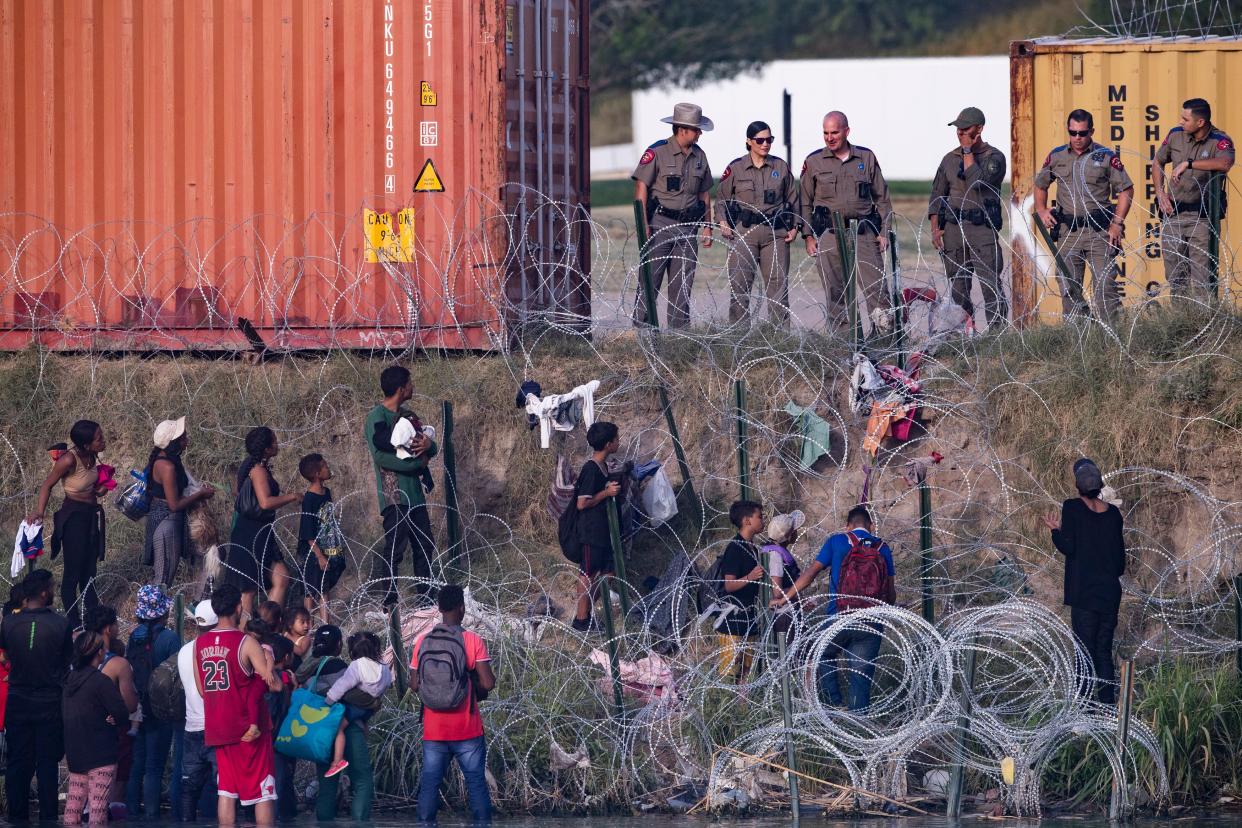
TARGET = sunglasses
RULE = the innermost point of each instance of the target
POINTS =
(1079, 133)
(767, 140)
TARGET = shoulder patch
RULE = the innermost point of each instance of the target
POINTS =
(1224, 144)
(1048, 160)
(1116, 163)
(726, 174)
(648, 157)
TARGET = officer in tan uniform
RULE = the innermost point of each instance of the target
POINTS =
(1088, 175)
(1198, 151)
(757, 210)
(965, 212)
(847, 178)
(673, 179)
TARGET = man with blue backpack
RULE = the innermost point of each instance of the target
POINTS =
(861, 575)
(451, 672)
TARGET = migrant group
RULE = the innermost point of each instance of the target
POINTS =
(840, 202)
(258, 686)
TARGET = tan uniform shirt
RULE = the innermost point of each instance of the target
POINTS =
(1190, 189)
(956, 189)
(1086, 183)
(855, 186)
(769, 189)
(674, 176)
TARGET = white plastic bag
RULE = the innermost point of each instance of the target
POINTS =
(659, 502)
(946, 317)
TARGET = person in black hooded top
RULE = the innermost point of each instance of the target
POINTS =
(94, 713)
(1089, 535)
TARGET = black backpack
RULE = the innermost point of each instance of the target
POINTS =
(711, 586)
(141, 655)
(443, 680)
(166, 693)
(567, 529)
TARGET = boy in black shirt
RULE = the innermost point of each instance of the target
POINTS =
(741, 573)
(593, 490)
(321, 567)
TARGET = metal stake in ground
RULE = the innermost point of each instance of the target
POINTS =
(618, 556)
(452, 520)
(1123, 736)
(953, 809)
(400, 662)
(743, 457)
(1237, 619)
(925, 545)
(851, 284)
(644, 266)
(899, 307)
(614, 665)
(682, 464)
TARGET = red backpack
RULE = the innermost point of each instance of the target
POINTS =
(864, 580)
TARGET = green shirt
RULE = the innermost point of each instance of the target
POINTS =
(396, 481)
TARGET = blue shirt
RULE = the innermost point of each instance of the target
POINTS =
(832, 555)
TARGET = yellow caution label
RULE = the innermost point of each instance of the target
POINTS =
(429, 180)
(384, 243)
(426, 94)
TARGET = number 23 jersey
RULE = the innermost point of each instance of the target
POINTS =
(232, 695)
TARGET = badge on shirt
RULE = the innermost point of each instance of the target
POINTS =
(994, 166)
(861, 166)
(1098, 156)
(775, 174)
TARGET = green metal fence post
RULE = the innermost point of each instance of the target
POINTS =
(851, 284)
(1237, 619)
(899, 308)
(1123, 736)
(678, 449)
(1214, 201)
(614, 664)
(925, 545)
(743, 455)
(618, 557)
(452, 522)
(644, 266)
(400, 662)
(953, 809)
(178, 615)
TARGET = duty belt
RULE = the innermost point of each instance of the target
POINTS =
(974, 216)
(1095, 220)
(688, 214)
(1200, 208)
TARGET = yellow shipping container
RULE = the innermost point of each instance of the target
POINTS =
(1135, 90)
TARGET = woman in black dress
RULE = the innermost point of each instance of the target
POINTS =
(1089, 534)
(254, 553)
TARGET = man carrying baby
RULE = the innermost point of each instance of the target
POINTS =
(402, 500)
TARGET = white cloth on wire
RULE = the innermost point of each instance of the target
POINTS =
(545, 409)
(27, 532)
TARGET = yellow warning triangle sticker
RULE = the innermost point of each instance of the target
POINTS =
(429, 180)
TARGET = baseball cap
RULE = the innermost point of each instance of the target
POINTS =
(204, 615)
(168, 431)
(968, 117)
(781, 527)
(327, 638)
(1087, 477)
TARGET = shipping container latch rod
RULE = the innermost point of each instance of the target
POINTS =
(258, 348)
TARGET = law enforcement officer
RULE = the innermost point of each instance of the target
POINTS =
(757, 210)
(673, 179)
(1198, 151)
(1088, 176)
(847, 178)
(965, 212)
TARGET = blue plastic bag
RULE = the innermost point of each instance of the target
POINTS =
(310, 727)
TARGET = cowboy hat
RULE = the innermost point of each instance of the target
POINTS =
(689, 115)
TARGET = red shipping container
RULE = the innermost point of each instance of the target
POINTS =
(341, 173)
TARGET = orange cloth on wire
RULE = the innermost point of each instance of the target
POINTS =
(880, 423)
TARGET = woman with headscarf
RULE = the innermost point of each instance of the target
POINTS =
(254, 552)
(171, 496)
(78, 525)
